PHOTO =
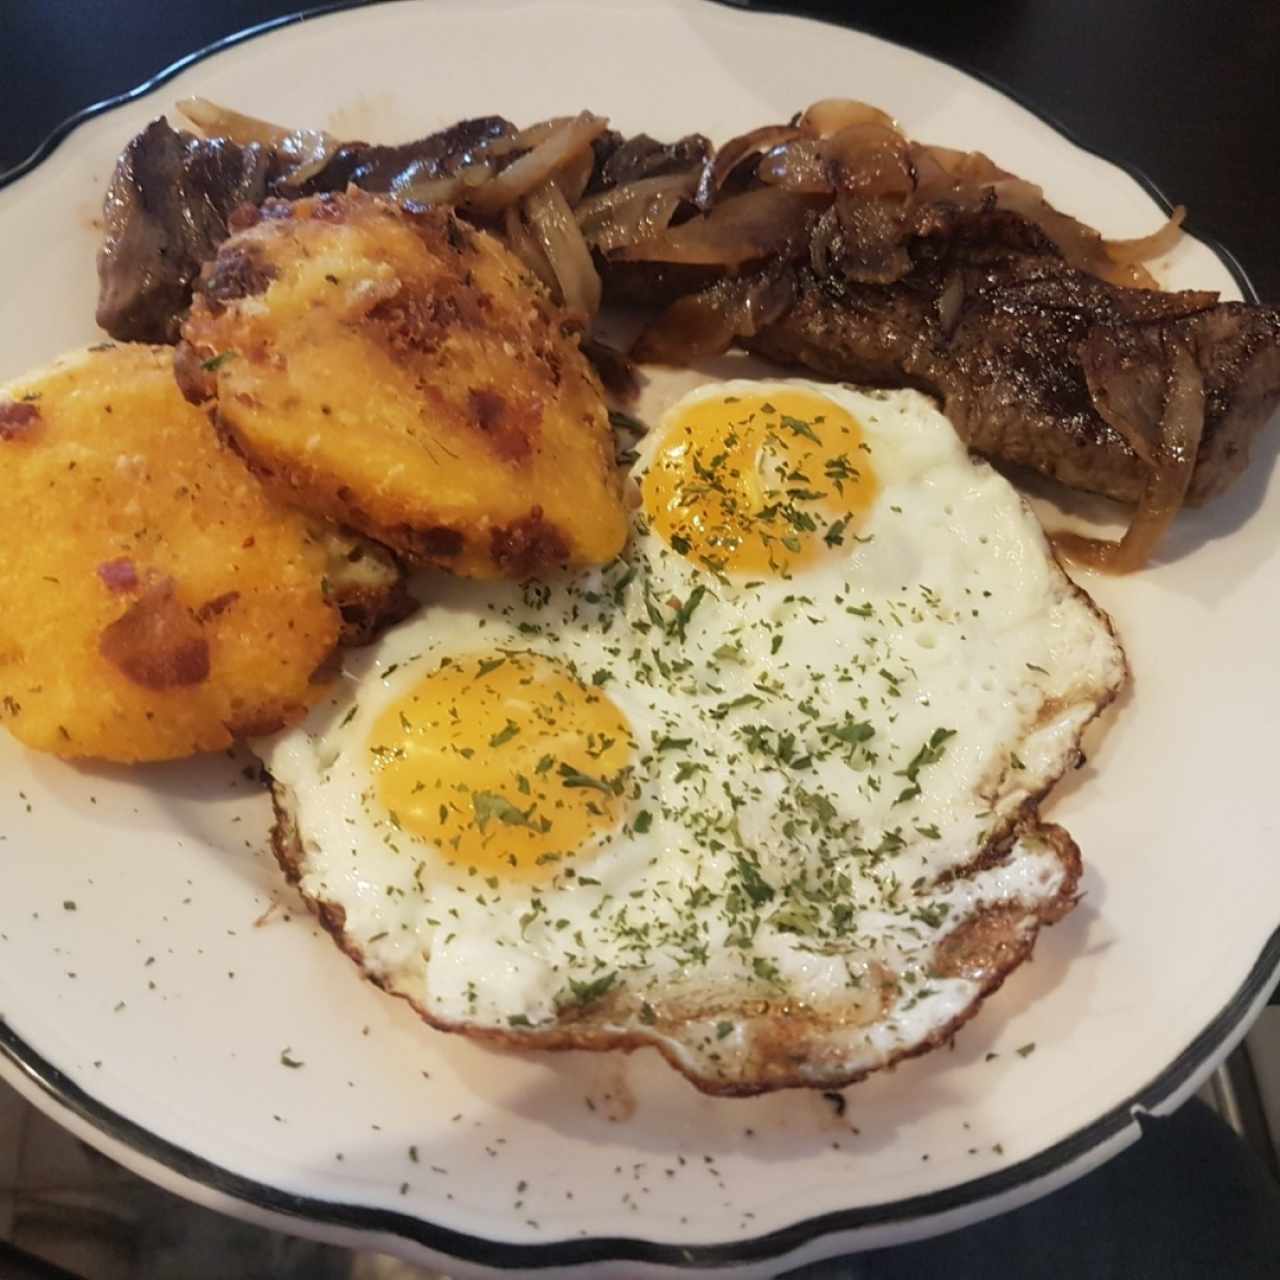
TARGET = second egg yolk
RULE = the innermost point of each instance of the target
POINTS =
(760, 484)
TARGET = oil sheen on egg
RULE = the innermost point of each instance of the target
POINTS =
(759, 791)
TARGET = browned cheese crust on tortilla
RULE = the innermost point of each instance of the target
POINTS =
(153, 601)
(402, 374)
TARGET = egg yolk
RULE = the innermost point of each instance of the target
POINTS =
(760, 484)
(505, 762)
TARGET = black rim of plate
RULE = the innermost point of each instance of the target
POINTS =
(577, 1252)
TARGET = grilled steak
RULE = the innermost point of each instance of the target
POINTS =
(166, 213)
(381, 169)
(621, 160)
(167, 208)
(1036, 363)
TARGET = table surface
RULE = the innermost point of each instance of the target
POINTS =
(1186, 91)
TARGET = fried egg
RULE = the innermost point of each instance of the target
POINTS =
(760, 792)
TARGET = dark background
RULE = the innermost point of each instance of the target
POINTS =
(1188, 91)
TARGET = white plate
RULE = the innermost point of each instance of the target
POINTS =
(151, 1015)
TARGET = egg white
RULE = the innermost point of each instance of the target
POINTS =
(948, 616)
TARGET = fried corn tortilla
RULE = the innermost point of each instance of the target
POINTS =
(154, 602)
(400, 373)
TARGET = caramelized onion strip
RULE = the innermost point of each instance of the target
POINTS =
(759, 224)
(872, 161)
(573, 176)
(450, 190)
(1156, 245)
(556, 151)
(801, 165)
(1167, 483)
(304, 151)
(553, 227)
(941, 170)
(633, 212)
(831, 115)
(522, 243)
(717, 170)
(969, 179)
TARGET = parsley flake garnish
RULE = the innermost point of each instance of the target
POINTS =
(581, 994)
(933, 914)
(685, 612)
(754, 885)
(571, 777)
(488, 805)
(834, 536)
(800, 427)
(930, 753)
(851, 732)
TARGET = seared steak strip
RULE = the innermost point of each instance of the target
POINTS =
(167, 208)
(382, 169)
(620, 161)
(165, 214)
(899, 265)
(1036, 363)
